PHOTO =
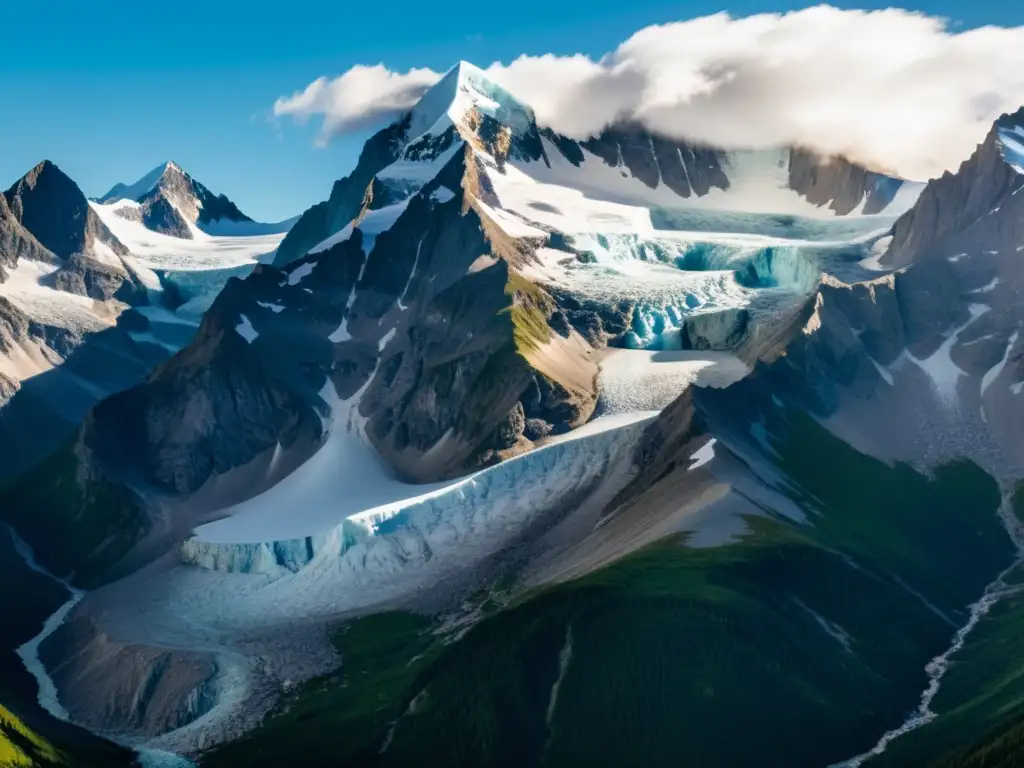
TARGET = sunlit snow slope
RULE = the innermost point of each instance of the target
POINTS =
(185, 274)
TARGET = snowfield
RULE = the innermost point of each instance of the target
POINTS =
(27, 287)
(198, 268)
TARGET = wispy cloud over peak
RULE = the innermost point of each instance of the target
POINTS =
(898, 90)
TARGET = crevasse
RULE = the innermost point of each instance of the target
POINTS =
(469, 518)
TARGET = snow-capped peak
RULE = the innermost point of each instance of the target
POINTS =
(464, 87)
(168, 200)
(141, 187)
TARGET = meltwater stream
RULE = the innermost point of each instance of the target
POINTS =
(29, 655)
(936, 668)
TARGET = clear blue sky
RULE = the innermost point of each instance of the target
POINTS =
(108, 90)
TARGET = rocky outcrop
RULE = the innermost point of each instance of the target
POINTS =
(839, 184)
(132, 690)
(160, 215)
(51, 206)
(978, 208)
(692, 170)
(685, 168)
(212, 407)
(19, 331)
(8, 387)
(346, 200)
(16, 242)
(87, 277)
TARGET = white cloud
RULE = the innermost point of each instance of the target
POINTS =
(896, 89)
(364, 97)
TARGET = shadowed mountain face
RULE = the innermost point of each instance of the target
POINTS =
(51, 206)
(347, 196)
(60, 345)
(16, 242)
(978, 208)
(53, 212)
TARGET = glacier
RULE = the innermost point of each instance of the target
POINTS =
(184, 276)
(345, 508)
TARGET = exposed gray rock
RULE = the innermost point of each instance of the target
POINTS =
(508, 432)
(687, 169)
(18, 330)
(212, 407)
(8, 387)
(134, 690)
(158, 214)
(51, 206)
(170, 200)
(87, 277)
(347, 196)
(978, 208)
(536, 429)
(722, 330)
(839, 184)
(16, 242)
(440, 352)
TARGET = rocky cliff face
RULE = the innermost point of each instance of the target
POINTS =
(212, 407)
(839, 184)
(978, 208)
(50, 217)
(16, 242)
(681, 172)
(451, 358)
(689, 170)
(917, 366)
(411, 302)
(347, 195)
(114, 687)
(51, 206)
(96, 280)
(939, 340)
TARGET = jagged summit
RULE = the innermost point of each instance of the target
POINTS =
(140, 188)
(50, 205)
(464, 87)
(974, 211)
(626, 164)
(171, 202)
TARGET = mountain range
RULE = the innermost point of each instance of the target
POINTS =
(574, 452)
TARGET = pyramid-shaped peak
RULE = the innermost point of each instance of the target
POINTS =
(45, 168)
(46, 165)
(463, 87)
(144, 185)
(464, 69)
(43, 176)
(171, 167)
